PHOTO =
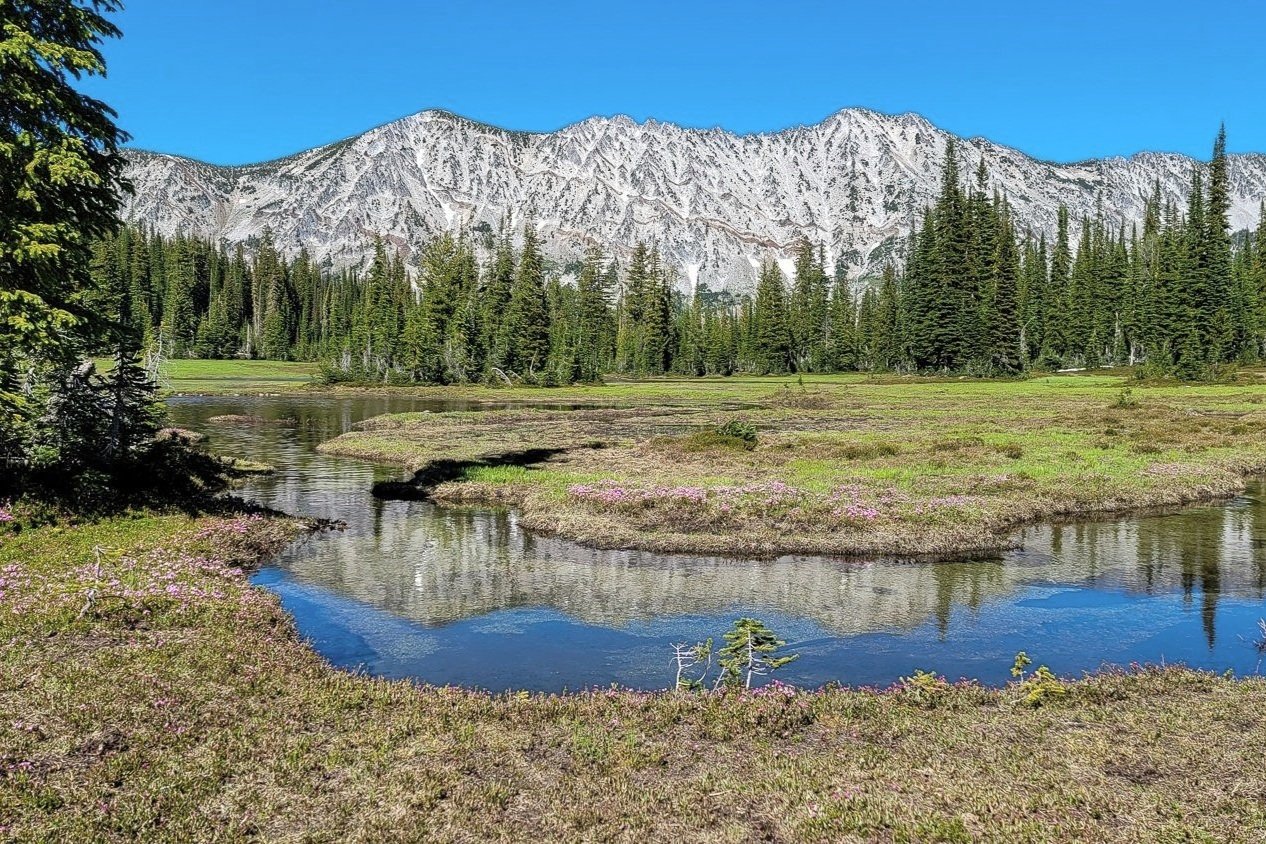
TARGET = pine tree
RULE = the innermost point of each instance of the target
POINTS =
(1058, 293)
(843, 352)
(887, 337)
(1216, 260)
(630, 341)
(808, 308)
(130, 396)
(525, 331)
(1006, 351)
(656, 319)
(60, 183)
(497, 289)
(594, 331)
(771, 333)
(179, 314)
(925, 302)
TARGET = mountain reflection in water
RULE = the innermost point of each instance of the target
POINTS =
(466, 596)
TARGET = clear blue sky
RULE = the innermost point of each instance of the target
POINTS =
(234, 81)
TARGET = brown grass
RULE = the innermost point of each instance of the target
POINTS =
(141, 721)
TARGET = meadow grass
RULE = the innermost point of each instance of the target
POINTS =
(208, 377)
(151, 694)
(846, 465)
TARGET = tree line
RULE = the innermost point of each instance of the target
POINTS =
(978, 294)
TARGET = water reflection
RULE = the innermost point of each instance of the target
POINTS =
(467, 596)
(435, 566)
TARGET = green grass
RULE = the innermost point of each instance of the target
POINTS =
(946, 465)
(178, 704)
(236, 376)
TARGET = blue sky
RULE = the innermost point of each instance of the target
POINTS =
(235, 81)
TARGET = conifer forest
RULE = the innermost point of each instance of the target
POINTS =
(1180, 294)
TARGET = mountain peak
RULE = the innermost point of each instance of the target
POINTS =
(715, 202)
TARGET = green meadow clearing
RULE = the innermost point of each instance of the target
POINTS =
(210, 377)
(847, 465)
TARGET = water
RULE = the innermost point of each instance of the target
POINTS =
(465, 596)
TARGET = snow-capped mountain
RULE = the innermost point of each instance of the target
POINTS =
(715, 202)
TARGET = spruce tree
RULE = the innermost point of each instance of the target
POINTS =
(594, 328)
(771, 334)
(525, 330)
(60, 183)
(1216, 259)
(843, 352)
(1057, 299)
(808, 308)
(1006, 352)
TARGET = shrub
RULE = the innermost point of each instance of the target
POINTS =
(925, 689)
(750, 650)
(1013, 451)
(739, 429)
(867, 451)
(1038, 688)
(735, 434)
(1125, 400)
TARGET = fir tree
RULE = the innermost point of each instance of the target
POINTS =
(525, 331)
(771, 335)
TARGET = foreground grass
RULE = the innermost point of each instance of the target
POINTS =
(177, 704)
(844, 465)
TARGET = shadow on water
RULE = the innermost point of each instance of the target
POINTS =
(466, 596)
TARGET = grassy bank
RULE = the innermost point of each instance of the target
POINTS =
(842, 465)
(177, 704)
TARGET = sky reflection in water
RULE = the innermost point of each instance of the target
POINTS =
(465, 596)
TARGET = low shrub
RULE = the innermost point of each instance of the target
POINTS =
(739, 429)
(1039, 687)
(1012, 451)
(925, 689)
(1125, 400)
(867, 451)
(735, 435)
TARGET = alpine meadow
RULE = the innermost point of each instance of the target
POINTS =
(727, 477)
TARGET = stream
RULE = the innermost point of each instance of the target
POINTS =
(465, 596)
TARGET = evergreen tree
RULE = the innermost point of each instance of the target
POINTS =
(525, 331)
(1058, 294)
(60, 179)
(808, 309)
(1006, 352)
(771, 335)
(594, 328)
(843, 353)
(497, 289)
(655, 331)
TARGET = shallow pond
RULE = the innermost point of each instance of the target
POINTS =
(465, 596)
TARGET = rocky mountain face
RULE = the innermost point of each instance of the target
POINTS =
(715, 202)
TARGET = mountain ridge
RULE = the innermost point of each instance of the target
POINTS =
(716, 202)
